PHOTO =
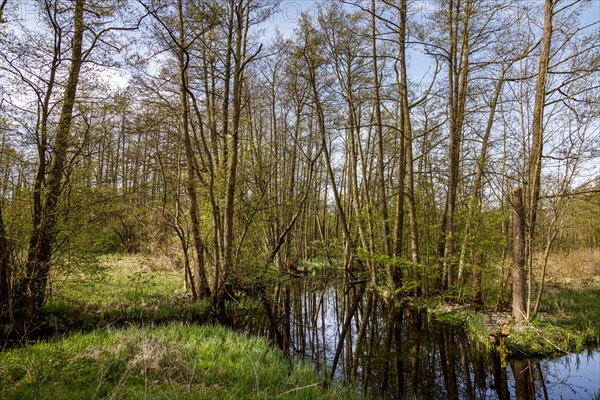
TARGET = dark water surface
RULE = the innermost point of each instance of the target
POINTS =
(353, 335)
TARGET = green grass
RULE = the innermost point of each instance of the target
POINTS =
(119, 290)
(167, 362)
(569, 321)
(574, 308)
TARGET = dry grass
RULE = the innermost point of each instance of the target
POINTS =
(577, 266)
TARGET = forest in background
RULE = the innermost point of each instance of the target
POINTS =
(392, 143)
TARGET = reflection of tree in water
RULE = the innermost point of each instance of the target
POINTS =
(356, 336)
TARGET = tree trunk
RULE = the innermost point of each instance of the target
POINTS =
(224, 284)
(457, 84)
(183, 58)
(31, 290)
(408, 138)
(5, 295)
(380, 168)
(474, 205)
(518, 270)
(537, 132)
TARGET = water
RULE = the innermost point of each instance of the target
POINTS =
(352, 335)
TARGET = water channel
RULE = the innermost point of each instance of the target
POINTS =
(352, 335)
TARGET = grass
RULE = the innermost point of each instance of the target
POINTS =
(167, 362)
(142, 344)
(124, 327)
(569, 318)
(569, 321)
(118, 291)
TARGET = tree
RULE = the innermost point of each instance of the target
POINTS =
(537, 133)
(30, 291)
(84, 26)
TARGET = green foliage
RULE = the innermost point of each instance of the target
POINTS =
(576, 312)
(97, 240)
(449, 318)
(493, 289)
(332, 249)
(582, 226)
(17, 220)
(414, 276)
(178, 361)
(477, 329)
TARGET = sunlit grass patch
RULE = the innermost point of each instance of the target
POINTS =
(178, 361)
(569, 321)
(128, 279)
(120, 290)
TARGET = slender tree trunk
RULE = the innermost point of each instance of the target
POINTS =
(458, 74)
(312, 70)
(537, 132)
(355, 203)
(5, 280)
(380, 168)
(518, 271)
(42, 128)
(2, 6)
(183, 58)
(408, 138)
(31, 291)
(228, 218)
(474, 205)
(219, 218)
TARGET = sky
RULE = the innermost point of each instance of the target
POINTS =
(285, 20)
(289, 14)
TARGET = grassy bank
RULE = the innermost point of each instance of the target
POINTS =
(174, 361)
(569, 321)
(119, 291)
(124, 327)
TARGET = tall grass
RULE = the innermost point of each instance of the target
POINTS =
(168, 362)
(581, 265)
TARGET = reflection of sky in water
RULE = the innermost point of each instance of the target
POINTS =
(576, 376)
(317, 314)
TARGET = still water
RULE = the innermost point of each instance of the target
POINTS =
(352, 335)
